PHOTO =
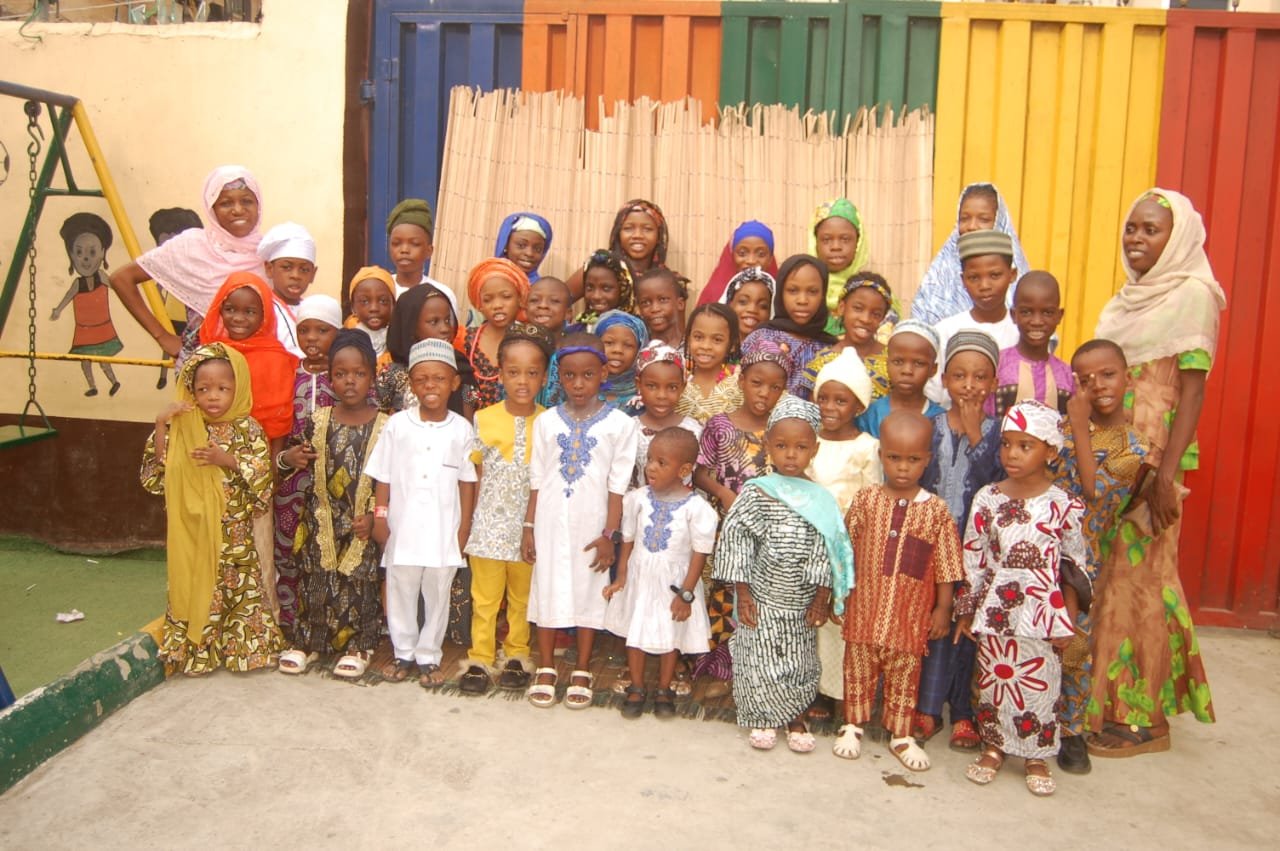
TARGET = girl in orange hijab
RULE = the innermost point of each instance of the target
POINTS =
(499, 289)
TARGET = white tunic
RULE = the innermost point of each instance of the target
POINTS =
(423, 462)
(574, 467)
(1004, 332)
(666, 534)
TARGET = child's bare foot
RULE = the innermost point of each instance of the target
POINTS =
(1039, 780)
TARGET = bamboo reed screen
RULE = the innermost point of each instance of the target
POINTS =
(508, 150)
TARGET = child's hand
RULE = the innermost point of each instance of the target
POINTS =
(939, 625)
(214, 455)
(819, 610)
(172, 410)
(964, 627)
(604, 553)
(1080, 405)
(969, 409)
(362, 526)
(299, 457)
(381, 531)
(614, 588)
(527, 551)
(746, 605)
(680, 610)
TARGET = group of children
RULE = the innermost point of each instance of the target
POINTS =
(701, 486)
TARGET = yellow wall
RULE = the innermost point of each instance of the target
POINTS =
(168, 104)
(1059, 106)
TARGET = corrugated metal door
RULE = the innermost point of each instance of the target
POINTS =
(891, 54)
(666, 50)
(1218, 141)
(421, 49)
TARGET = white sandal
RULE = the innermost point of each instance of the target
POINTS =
(848, 744)
(910, 754)
(353, 665)
(543, 695)
(579, 697)
(294, 661)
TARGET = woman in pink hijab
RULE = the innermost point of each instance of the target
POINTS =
(192, 265)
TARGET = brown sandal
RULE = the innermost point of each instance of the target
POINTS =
(1118, 741)
(984, 769)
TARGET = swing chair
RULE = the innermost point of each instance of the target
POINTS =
(33, 423)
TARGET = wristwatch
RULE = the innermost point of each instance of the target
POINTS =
(614, 535)
(687, 596)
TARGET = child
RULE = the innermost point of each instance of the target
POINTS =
(639, 234)
(785, 549)
(208, 458)
(750, 294)
(838, 239)
(319, 321)
(656, 602)
(289, 253)
(1027, 370)
(711, 346)
(799, 316)
(502, 453)
(606, 283)
(499, 290)
(524, 239)
(660, 300)
(913, 359)
(986, 263)
(623, 336)
(964, 458)
(373, 295)
(424, 312)
(583, 456)
(909, 548)
(942, 292)
(409, 245)
(660, 379)
(1019, 530)
(751, 247)
(549, 301)
(423, 502)
(1104, 477)
(87, 238)
(339, 594)
(863, 308)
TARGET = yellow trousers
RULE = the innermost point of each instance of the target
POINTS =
(490, 581)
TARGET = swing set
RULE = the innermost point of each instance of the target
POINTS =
(62, 110)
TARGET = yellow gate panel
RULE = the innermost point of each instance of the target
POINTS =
(1060, 108)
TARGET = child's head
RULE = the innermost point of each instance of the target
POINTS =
(906, 438)
(672, 455)
(433, 376)
(660, 300)
(233, 200)
(1146, 233)
(1101, 368)
(242, 313)
(409, 237)
(499, 289)
(640, 233)
(913, 358)
(87, 237)
(986, 267)
(213, 387)
(969, 373)
(422, 313)
(750, 294)
(711, 337)
(1037, 310)
(352, 365)
(863, 306)
(1030, 438)
(289, 253)
(581, 364)
(549, 301)
(659, 378)
(168, 222)
(802, 294)
(752, 246)
(791, 436)
(523, 356)
(373, 293)
(841, 391)
(622, 336)
(766, 369)
(319, 320)
(837, 232)
(606, 283)
(524, 239)
(979, 206)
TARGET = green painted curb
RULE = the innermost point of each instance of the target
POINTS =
(48, 719)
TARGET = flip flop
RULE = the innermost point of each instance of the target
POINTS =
(398, 670)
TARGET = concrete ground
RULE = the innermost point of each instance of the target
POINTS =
(265, 760)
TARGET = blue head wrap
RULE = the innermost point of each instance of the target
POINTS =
(746, 230)
(504, 235)
(622, 386)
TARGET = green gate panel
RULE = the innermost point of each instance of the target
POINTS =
(891, 54)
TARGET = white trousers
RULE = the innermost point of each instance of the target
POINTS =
(405, 583)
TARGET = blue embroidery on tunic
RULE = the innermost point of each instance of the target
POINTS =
(658, 534)
(576, 446)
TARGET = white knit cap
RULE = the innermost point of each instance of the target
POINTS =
(288, 239)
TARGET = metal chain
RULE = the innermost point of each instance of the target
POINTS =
(32, 109)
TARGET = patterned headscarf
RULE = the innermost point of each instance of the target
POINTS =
(639, 205)
(1036, 419)
(613, 318)
(756, 349)
(920, 329)
(623, 385)
(498, 267)
(794, 408)
(614, 262)
(657, 352)
(751, 275)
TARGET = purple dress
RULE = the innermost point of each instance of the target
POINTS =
(801, 350)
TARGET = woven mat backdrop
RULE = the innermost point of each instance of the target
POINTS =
(510, 150)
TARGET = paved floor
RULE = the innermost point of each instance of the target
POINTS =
(265, 760)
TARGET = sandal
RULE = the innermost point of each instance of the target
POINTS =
(820, 709)
(964, 736)
(799, 739)
(576, 696)
(763, 740)
(430, 675)
(633, 706)
(1118, 741)
(848, 744)
(981, 773)
(664, 703)
(514, 677)
(1040, 785)
(353, 665)
(910, 754)
(296, 662)
(925, 727)
(397, 670)
(543, 695)
(474, 680)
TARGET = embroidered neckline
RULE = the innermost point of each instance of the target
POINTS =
(657, 535)
(576, 446)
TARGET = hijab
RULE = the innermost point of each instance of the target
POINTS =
(623, 385)
(814, 329)
(402, 330)
(498, 267)
(727, 269)
(839, 208)
(508, 227)
(192, 265)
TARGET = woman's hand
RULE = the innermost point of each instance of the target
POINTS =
(170, 343)
(1163, 501)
